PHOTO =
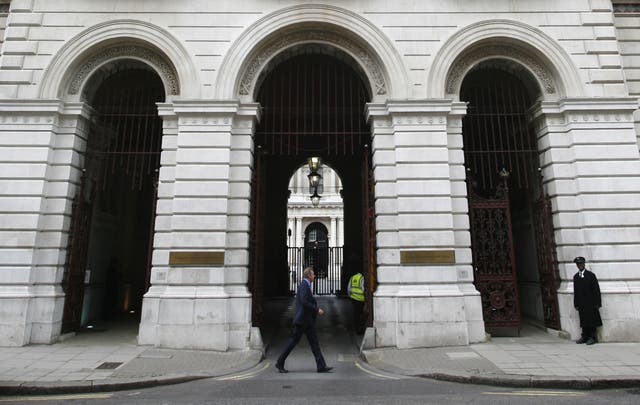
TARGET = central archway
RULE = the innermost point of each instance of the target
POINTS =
(313, 100)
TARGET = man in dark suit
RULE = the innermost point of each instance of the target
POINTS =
(586, 299)
(304, 322)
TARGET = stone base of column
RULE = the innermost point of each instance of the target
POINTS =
(30, 314)
(204, 318)
(423, 315)
(14, 328)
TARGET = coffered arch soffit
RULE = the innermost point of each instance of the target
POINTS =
(117, 43)
(541, 56)
(321, 25)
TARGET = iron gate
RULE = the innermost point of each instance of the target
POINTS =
(499, 138)
(327, 264)
(78, 244)
(494, 266)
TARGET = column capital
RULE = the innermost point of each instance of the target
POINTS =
(414, 113)
(210, 108)
(410, 107)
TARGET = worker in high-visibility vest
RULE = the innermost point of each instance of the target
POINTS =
(355, 289)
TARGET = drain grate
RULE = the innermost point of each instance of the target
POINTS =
(108, 365)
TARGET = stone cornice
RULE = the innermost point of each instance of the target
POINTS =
(592, 104)
(31, 106)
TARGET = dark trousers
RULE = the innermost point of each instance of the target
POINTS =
(589, 332)
(312, 337)
(359, 320)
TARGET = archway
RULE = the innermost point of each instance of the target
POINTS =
(514, 261)
(111, 237)
(313, 102)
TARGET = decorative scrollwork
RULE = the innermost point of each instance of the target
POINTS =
(155, 59)
(463, 64)
(367, 60)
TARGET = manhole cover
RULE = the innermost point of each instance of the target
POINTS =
(108, 366)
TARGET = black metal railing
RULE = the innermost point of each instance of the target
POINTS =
(327, 265)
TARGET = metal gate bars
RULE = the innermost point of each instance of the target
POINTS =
(499, 139)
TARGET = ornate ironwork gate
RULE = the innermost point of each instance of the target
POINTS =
(501, 157)
(73, 279)
(547, 259)
(493, 258)
(369, 240)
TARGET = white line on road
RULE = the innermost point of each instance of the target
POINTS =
(245, 376)
(54, 397)
(388, 377)
(539, 393)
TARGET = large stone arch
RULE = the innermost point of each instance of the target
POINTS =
(312, 24)
(105, 44)
(546, 61)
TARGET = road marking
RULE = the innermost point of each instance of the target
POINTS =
(55, 397)
(539, 393)
(388, 377)
(245, 376)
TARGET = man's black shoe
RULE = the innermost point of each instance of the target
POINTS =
(325, 369)
(581, 340)
(281, 369)
(591, 341)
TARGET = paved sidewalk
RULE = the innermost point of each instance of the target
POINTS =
(92, 362)
(538, 360)
(111, 360)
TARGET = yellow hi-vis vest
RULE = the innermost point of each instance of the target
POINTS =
(356, 287)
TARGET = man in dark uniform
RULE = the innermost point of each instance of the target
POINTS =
(586, 300)
(304, 322)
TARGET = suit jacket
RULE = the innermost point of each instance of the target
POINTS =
(306, 306)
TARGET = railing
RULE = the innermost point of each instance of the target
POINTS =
(326, 263)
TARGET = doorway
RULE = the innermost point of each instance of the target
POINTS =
(109, 254)
(515, 267)
(313, 100)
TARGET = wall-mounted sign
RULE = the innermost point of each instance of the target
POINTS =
(196, 258)
(427, 257)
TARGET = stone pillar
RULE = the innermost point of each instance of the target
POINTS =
(332, 236)
(299, 236)
(41, 180)
(199, 297)
(291, 226)
(422, 298)
(589, 159)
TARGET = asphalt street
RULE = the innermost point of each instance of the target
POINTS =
(351, 382)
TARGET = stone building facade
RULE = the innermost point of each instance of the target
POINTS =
(211, 65)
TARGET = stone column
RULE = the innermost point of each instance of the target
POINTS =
(332, 237)
(41, 180)
(291, 226)
(421, 300)
(199, 297)
(589, 159)
(299, 236)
